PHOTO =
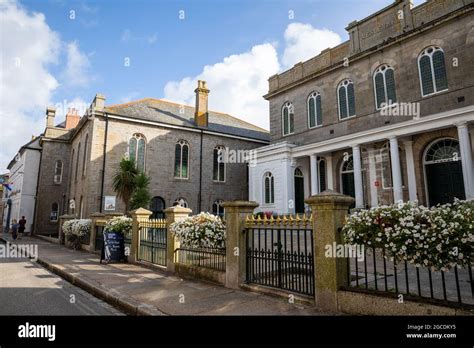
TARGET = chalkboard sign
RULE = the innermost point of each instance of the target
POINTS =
(113, 249)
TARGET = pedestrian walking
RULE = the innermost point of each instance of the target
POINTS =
(15, 226)
(21, 227)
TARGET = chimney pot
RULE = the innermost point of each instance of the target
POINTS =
(201, 112)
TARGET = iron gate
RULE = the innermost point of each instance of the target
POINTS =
(281, 258)
(152, 247)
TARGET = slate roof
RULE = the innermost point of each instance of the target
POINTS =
(167, 112)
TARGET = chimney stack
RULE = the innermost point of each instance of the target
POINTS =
(72, 118)
(50, 114)
(98, 104)
(201, 113)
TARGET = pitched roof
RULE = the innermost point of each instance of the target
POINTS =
(167, 112)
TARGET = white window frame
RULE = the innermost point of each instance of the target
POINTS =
(343, 85)
(137, 137)
(271, 192)
(181, 143)
(430, 55)
(55, 179)
(218, 148)
(314, 96)
(385, 90)
(291, 110)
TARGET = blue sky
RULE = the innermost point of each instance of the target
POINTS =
(242, 43)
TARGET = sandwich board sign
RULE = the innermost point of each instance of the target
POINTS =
(113, 249)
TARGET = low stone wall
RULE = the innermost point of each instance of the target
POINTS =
(360, 303)
(188, 271)
(48, 239)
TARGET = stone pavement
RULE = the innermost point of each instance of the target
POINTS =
(143, 291)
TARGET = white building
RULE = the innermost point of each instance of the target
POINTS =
(23, 179)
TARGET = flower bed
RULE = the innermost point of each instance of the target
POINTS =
(76, 231)
(440, 237)
(200, 231)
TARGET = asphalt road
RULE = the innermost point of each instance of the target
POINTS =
(26, 288)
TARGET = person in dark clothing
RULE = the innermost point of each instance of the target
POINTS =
(14, 229)
(21, 227)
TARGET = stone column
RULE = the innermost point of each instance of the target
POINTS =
(329, 173)
(173, 214)
(466, 159)
(396, 170)
(374, 200)
(138, 215)
(412, 191)
(314, 174)
(359, 194)
(329, 210)
(236, 260)
(94, 218)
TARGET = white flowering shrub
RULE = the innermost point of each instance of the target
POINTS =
(440, 237)
(200, 231)
(121, 224)
(76, 230)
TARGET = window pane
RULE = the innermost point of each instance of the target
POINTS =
(285, 121)
(312, 112)
(379, 90)
(141, 155)
(272, 189)
(267, 190)
(342, 102)
(351, 99)
(292, 122)
(132, 149)
(319, 111)
(177, 160)
(440, 71)
(216, 165)
(390, 81)
(426, 77)
(214, 209)
(221, 171)
(322, 176)
(185, 162)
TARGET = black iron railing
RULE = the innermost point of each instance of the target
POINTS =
(281, 258)
(377, 273)
(212, 258)
(152, 247)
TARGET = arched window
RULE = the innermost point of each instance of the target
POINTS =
(217, 208)
(77, 161)
(58, 172)
(269, 189)
(445, 150)
(181, 202)
(181, 160)
(322, 174)
(157, 206)
(84, 160)
(346, 99)
(136, 150)
(384, 86)
(315, 113)
(288, 118)
(348, 165)
(219, 164)
(432, 71)
(54, 212)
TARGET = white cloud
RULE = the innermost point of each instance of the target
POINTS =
(303, 41)
(77, 71)
(29, 46)
(237, 84)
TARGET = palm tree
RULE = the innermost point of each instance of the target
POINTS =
(141, 197)
(124, 181)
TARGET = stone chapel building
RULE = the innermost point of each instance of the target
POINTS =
(176, 145)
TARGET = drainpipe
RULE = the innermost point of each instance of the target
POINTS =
(200, 176)
(103, 162)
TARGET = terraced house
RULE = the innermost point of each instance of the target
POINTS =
(386, 116)
(178, 146)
